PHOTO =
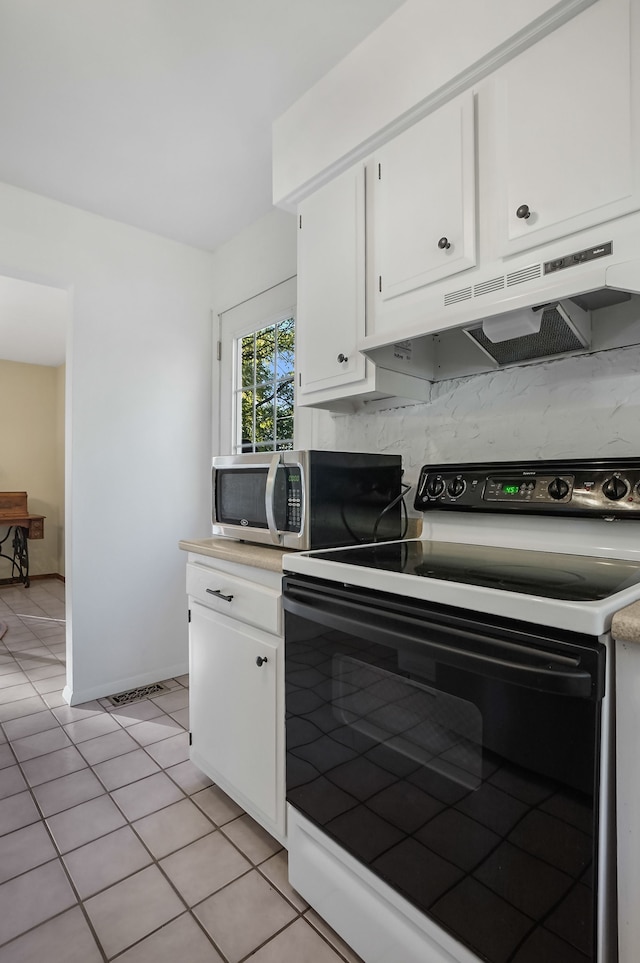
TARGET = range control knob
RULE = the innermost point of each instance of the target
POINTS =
(435, 487)
(558, 488)
(456, 487)
(615, 488)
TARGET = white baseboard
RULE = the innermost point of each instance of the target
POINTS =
(76, 697)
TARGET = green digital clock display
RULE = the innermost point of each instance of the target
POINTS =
(510, 489)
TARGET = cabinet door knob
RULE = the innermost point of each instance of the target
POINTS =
(260, 660)
(523, 212)
(342, 358)
(444, 244)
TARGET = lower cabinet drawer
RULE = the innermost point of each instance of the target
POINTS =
(236, 597)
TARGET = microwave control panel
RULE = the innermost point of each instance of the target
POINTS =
(603, 488)
(293, 499)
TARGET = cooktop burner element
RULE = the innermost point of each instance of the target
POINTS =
(545, 574)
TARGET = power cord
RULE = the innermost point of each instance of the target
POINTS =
(403, 510)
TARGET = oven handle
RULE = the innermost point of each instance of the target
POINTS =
(500, 659)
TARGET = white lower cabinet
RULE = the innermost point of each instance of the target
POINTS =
(236, 695)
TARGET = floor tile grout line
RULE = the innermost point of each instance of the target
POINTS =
(63, 866)
(60, 858)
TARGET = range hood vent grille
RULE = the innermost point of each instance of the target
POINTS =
(557, 335)
(530, 273)
(453, 297)
(524, 274)
(487, 287)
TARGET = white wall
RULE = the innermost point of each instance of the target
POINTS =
(256, 259)
(138, 421)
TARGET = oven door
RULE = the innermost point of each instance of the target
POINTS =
(456, 758)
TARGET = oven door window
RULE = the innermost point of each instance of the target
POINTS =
(435, 729)
(471, 796)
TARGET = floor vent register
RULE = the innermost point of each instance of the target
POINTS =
(134, 695)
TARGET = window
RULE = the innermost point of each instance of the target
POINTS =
(255, 405)
(264, 402)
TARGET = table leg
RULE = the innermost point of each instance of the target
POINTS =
(20, 558)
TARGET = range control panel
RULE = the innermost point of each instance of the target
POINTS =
(584, 487)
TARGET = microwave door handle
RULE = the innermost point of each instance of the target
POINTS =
(269, 496)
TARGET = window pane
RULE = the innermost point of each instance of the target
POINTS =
(265, 356)
(286, 332)
(284, 400)
(265, 413)
(285, 429)
(264, 399)
(248, 355)
(247, 418)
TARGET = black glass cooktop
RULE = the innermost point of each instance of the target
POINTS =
(577, 578)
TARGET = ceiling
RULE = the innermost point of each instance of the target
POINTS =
(156, 113)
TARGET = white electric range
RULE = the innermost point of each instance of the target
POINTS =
(449, 718)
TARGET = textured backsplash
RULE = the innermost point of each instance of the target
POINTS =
(581, 407)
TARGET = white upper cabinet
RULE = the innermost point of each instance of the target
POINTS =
(424, 204)
(567, 132)
(331, 323)
(331, 286)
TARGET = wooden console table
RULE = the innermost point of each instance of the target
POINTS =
(24, 525)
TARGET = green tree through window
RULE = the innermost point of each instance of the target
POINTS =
(264, 398)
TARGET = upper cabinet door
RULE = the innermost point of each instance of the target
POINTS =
(567, 130)
(424, 204)
(331, 285)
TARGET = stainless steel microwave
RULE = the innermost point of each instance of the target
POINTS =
(307, 499)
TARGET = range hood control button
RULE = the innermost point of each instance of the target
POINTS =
(615, 488)
(558, 488)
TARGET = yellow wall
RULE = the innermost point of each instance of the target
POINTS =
(32, 455)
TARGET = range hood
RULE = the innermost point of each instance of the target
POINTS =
(532, 333)
(583, 301)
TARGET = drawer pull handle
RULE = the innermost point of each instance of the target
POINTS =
(219, 594)
(260, 660)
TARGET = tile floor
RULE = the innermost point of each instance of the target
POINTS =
(113, 846)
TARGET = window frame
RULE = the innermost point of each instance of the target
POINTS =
(238, 389)
(251, 315)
